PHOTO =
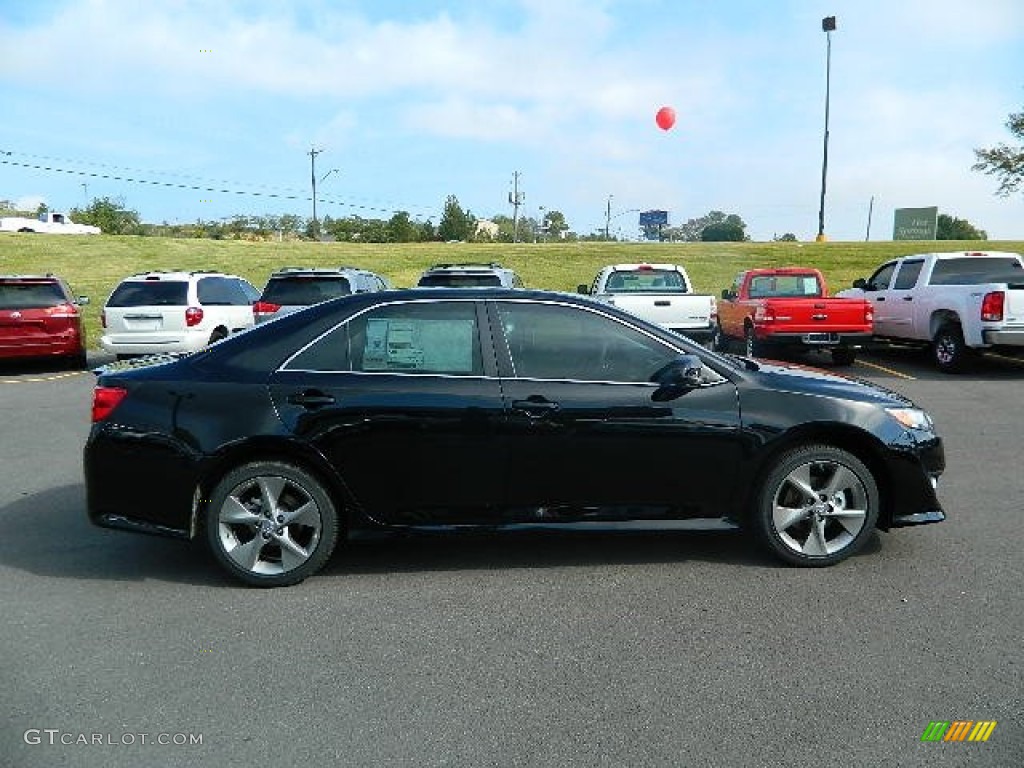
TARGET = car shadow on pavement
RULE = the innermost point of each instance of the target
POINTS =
(49, 534)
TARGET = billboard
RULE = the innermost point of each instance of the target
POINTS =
(915, 223)
(653, 219)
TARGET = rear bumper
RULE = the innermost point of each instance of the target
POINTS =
(146, 344)
(45, 346)
(815, 339)
(1004, 338)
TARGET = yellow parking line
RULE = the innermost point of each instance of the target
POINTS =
(886, 370)
(32, 379)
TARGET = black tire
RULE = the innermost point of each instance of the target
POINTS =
(844, 355)
(263, 547)
(949, 350)
(77, 362)
(820, 531)
(752, 347)
(719, 341)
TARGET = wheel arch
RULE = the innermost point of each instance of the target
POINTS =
(941, 317)
(270, 449)
(856, 441)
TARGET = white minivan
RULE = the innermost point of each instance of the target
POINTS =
(175, 312)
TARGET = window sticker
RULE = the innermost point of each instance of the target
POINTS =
(441, 346)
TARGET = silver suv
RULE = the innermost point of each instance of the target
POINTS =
(292, 288)
(469, 276)
(175, 312)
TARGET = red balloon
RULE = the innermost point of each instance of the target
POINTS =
(665, 118)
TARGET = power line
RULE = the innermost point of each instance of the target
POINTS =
(202, 188)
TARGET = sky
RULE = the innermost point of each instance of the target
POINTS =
(205, 109)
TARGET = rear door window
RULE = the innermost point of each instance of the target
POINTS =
(150, 293)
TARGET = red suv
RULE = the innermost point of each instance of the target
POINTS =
(40, 317)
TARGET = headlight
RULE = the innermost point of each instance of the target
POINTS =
(911, 418)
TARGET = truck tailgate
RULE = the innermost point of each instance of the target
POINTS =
(818, 315)
(667, 310)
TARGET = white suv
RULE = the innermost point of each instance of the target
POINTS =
(175, 312)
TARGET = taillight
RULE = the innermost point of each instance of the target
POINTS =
(264, 308)
(193, 316)
(869, 315)
(105, 400)
(992, 306)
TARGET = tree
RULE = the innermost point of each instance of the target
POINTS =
(456, 224)
(111, 216)
(400, 228)
(1003, 161)
(723, 232)
(693, 230)
(789, 237)
(950, 228)
(555, 223)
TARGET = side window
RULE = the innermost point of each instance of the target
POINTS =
(249, 293)
(907, 276)
(548, 341)
(882, 277)
(214, 291)
(329, 353)
(419, 337)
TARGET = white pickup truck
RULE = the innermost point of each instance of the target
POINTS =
(48, 223)
(956, 302)
(658, 293)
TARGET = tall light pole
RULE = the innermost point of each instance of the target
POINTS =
(313, 152)
(828, 26)
(607, 216)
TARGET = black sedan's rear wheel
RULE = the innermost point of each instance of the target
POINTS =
(817, 506)
(271, 524)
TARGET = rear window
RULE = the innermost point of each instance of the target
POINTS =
(646, 281)
(21, 295)
(784, 286)
(972, 270)
(449, 280)
(303, 291)
(150, 293)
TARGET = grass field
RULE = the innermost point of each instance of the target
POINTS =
(95, 264)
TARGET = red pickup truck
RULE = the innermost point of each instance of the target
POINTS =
(789, 307)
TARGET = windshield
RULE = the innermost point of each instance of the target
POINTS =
(646, 281)
(303, 291)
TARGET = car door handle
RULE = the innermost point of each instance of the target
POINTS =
(535, 408)
(880, 298)
(663, 303)
(311, 398)
(908, 298)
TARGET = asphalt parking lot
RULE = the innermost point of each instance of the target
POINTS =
(681, 649)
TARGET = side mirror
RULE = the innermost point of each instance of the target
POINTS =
(683, 373)
(861, 283)
(582, 289)
(728, 294)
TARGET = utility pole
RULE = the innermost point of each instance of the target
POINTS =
(313, 152)
(871, 207)
(515, 199)
(828, 26)
(607, 217)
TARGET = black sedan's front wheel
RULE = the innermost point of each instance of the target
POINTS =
(817, 506)
(271, 524)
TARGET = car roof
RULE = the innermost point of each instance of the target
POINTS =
(159, 274)
(47, 277)
(468, 267)
(327, 271)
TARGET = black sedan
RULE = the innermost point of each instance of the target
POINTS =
(433, 410)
